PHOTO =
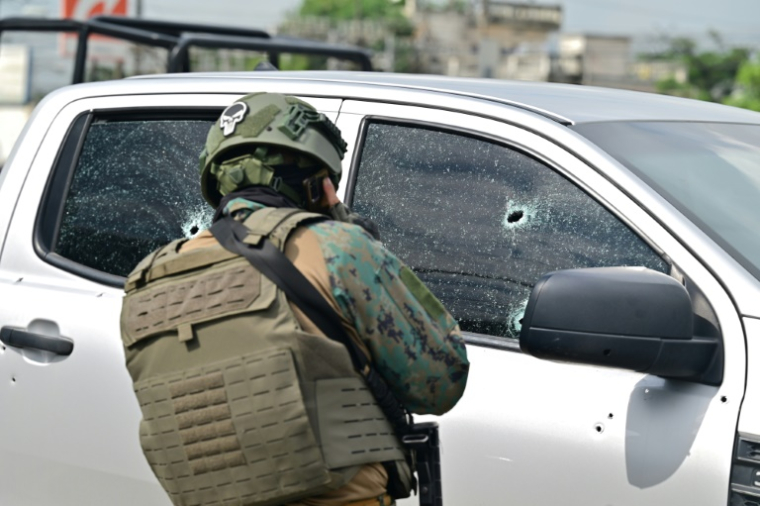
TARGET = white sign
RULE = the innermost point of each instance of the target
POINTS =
(15, 69)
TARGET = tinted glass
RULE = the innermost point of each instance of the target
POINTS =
(135, 188)
(480, 223)
(710, 171)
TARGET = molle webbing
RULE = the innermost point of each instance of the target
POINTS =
(167, 261)
(276, 224)
(220, 434)
(235, 412)
(178, 305)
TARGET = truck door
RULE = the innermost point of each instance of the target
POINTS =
(113, 178)
(480, 210)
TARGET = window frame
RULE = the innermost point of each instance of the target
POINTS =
(454, 130)
(49, 216)
(487, 340)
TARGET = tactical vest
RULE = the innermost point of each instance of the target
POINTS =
(240, 405)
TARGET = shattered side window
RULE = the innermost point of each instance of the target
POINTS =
(135, 188)
(481, 223)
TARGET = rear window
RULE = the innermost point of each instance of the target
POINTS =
(134, 188)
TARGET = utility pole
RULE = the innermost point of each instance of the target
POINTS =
(138, 49)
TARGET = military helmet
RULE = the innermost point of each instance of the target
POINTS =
(246, 144)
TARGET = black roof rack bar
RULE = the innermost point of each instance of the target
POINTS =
(39, 25)
(177, 29)
(178, 60)
(84, 29)
(133, 34)
(53, 25)
(128, 33)
(176, 37)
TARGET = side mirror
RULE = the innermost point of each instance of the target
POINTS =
(625, 317)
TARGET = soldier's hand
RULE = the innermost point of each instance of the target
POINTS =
(329, 193)
(340, 212)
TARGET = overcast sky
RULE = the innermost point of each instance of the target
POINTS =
(736, 20)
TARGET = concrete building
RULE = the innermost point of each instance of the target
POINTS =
(604, 60)
(490, 38)
(594, 59)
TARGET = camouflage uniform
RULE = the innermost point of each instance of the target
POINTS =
(414, 342)
(278, 150)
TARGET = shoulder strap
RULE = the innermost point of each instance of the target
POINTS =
(272, 263)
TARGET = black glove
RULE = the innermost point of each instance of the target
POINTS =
(341, 212)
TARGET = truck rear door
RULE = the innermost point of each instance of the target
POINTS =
(113, 178)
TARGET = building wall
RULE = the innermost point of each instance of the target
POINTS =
(503, 40)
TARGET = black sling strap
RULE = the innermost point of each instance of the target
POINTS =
(273, 264)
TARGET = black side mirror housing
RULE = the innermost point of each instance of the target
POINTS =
(625, 317)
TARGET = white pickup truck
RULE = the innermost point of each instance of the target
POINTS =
(650, 396)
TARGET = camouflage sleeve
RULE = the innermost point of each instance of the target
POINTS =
(415, 343)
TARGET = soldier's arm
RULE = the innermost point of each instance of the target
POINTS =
(415, 343)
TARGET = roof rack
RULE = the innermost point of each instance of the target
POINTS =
(178, 38)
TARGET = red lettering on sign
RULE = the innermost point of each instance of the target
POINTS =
(85, 9)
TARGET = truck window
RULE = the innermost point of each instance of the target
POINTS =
(134, 188)
(480, 223)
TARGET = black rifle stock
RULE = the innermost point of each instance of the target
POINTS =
(423, 439)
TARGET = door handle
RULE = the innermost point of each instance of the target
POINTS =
(20, 338)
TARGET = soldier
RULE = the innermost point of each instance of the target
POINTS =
(245, 399)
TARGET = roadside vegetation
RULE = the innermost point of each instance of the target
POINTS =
(721, 74)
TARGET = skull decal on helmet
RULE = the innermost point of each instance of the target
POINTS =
(231, 116)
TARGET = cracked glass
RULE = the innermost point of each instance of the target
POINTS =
(136, 187)
(480, 223)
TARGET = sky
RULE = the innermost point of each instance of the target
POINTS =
(736, 20)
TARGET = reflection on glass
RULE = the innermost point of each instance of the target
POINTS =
(480, 223)
(135, 188)
(710, 171)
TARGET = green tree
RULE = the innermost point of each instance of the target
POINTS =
(344, 21)
(351, 9)
(389, 11)
(711, 74)
(747, 93)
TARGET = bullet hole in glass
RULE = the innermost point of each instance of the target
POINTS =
(515, 216)
(599, 428)
(194, 229)
(724, 399)
(607, 353)
(124, 202)
(514, 219)
(610, 416)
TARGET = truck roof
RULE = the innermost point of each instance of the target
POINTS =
(566, 103)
